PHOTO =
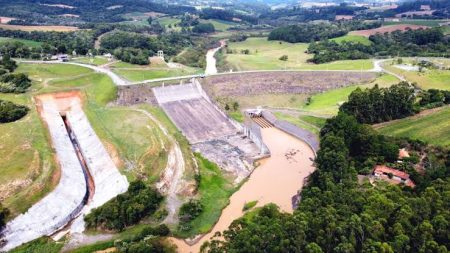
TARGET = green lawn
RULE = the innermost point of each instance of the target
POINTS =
(433, 128)
(219, 25)
(97, 60)
(310, 123)
(352, 38)
(145, 74)
(265, 54)
(214, 191)
(29, 43)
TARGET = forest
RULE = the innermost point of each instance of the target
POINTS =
(321, 31)
(338, 213)
(35, 12)
(422, 42)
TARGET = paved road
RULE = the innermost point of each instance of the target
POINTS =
(119, 81)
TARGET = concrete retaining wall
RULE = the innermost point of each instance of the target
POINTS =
(292, 129)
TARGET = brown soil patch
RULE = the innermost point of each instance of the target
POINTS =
(69, 16)
(153, 14)
(29, 28)
(387, 29)
(63, 100)
(5, 20)
(112, 151)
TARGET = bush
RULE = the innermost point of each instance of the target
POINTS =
(10, 112)
(204, 28)
(283, 58)
(17, 83)
(190, 210)
(126, 209)
(249, 205)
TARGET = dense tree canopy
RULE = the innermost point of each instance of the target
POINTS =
(320, 31)
(204, 28)
(126, 209)
(428, 42)
(376, 104)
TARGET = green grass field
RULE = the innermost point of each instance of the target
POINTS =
(352, 38)
(97, 60)
(433, 128)
(436, 79)
(29, 43)
(140, 74)
(265, 54)
(219, 25)
(425, 22)
(310, 123)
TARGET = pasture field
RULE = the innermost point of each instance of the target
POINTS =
(431, 126)
(29, 43)
(425, 22)
(387, 28)
(43, 28)
(264, 55)
(428, 79)
(352, 38)
(219, 25)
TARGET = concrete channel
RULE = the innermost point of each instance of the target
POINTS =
(89, 178)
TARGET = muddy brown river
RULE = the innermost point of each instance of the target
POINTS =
(276, 180)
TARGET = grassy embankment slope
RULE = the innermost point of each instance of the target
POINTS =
(265, 54)
(28, 166)
(432, 126)
(156, 69)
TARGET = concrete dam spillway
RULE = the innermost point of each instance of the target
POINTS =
(89, 178)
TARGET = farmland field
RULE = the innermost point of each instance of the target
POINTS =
(264, 55)
(29, 43)
(352, 38)
(425, 22)
(388, 28)
(39, 28)
(432, 127)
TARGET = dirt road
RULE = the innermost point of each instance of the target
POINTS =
(277, 180)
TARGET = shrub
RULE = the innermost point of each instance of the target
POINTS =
(190, 210)
(249, 205)
(283, 58)
(10, 112)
